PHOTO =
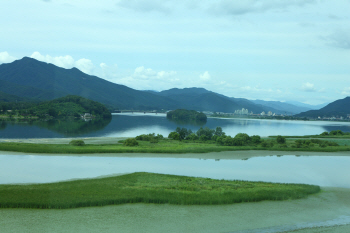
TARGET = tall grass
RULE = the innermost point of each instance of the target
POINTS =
(146, 188)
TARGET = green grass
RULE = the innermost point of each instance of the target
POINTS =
(163, 146)
(146, 188)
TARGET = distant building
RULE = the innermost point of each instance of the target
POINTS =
(242, 112)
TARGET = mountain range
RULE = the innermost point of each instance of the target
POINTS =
(338, 108)
(30, 79)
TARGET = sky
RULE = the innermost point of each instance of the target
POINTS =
(256, 49)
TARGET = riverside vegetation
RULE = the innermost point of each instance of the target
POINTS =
(146, 188)
(185, 141)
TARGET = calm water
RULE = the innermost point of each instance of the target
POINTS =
(131, 125)
(321, 170)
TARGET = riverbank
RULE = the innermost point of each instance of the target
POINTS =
(331, 206)
(114, 145)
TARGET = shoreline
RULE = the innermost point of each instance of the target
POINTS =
(229, 155)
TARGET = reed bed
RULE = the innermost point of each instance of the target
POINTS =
(144, 187)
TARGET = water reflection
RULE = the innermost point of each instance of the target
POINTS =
(131, 125)
(321, 170)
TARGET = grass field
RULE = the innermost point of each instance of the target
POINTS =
(146, 188)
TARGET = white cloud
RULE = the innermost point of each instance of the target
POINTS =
(85, 65)
(148, 73)
(258, 89)
(309, 87)
(205, 76)
(6, 58)
(61, 61)
(346, 91)
(67, 62)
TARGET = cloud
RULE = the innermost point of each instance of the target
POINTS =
(61, 61)
(162, 6)
(67, 62)
(6, 58)
(309, 87)
(148, 73)
(248, 6)
(346, 91)
(205, 76)
(85, 65)
(258, 89)
(339, 39)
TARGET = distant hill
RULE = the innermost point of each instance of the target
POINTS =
(285, 108)
(30, 78)
(339, 108)
(200, 99)
(70, 105)
(311, 107)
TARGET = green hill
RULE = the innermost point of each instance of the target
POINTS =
(70, 106)
(338, 108)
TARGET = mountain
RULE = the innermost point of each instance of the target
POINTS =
(311, 107)
(200, 99)
(339, 108)
(30, 78)
(282, 106)
(4, 97)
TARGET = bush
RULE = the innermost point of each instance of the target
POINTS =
(280, 139)
(256, 139)
(174, 135)
(192, 137)
(131, 142)
(77, 143)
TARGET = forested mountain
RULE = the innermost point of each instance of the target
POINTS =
(337, 108)
(28, 77)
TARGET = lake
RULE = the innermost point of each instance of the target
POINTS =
(131, 125)
(330, 208)
(319, 170)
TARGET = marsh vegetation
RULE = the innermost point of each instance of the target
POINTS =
(147, 188)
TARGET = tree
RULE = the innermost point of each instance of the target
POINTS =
(174, 135)
(218, 132)
(280, 139)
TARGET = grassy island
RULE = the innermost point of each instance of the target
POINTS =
(146, 188)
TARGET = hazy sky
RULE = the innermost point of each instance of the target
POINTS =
(256, 49)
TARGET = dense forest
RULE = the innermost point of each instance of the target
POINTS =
(69, 106)
(186, 115)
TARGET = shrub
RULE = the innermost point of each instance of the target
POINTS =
(174, 135)
(192, 137)
(203, 138)
(280, 139)
(256, 139)
(242, 138)
(77, 143)
(131, 142)
(324, 133)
